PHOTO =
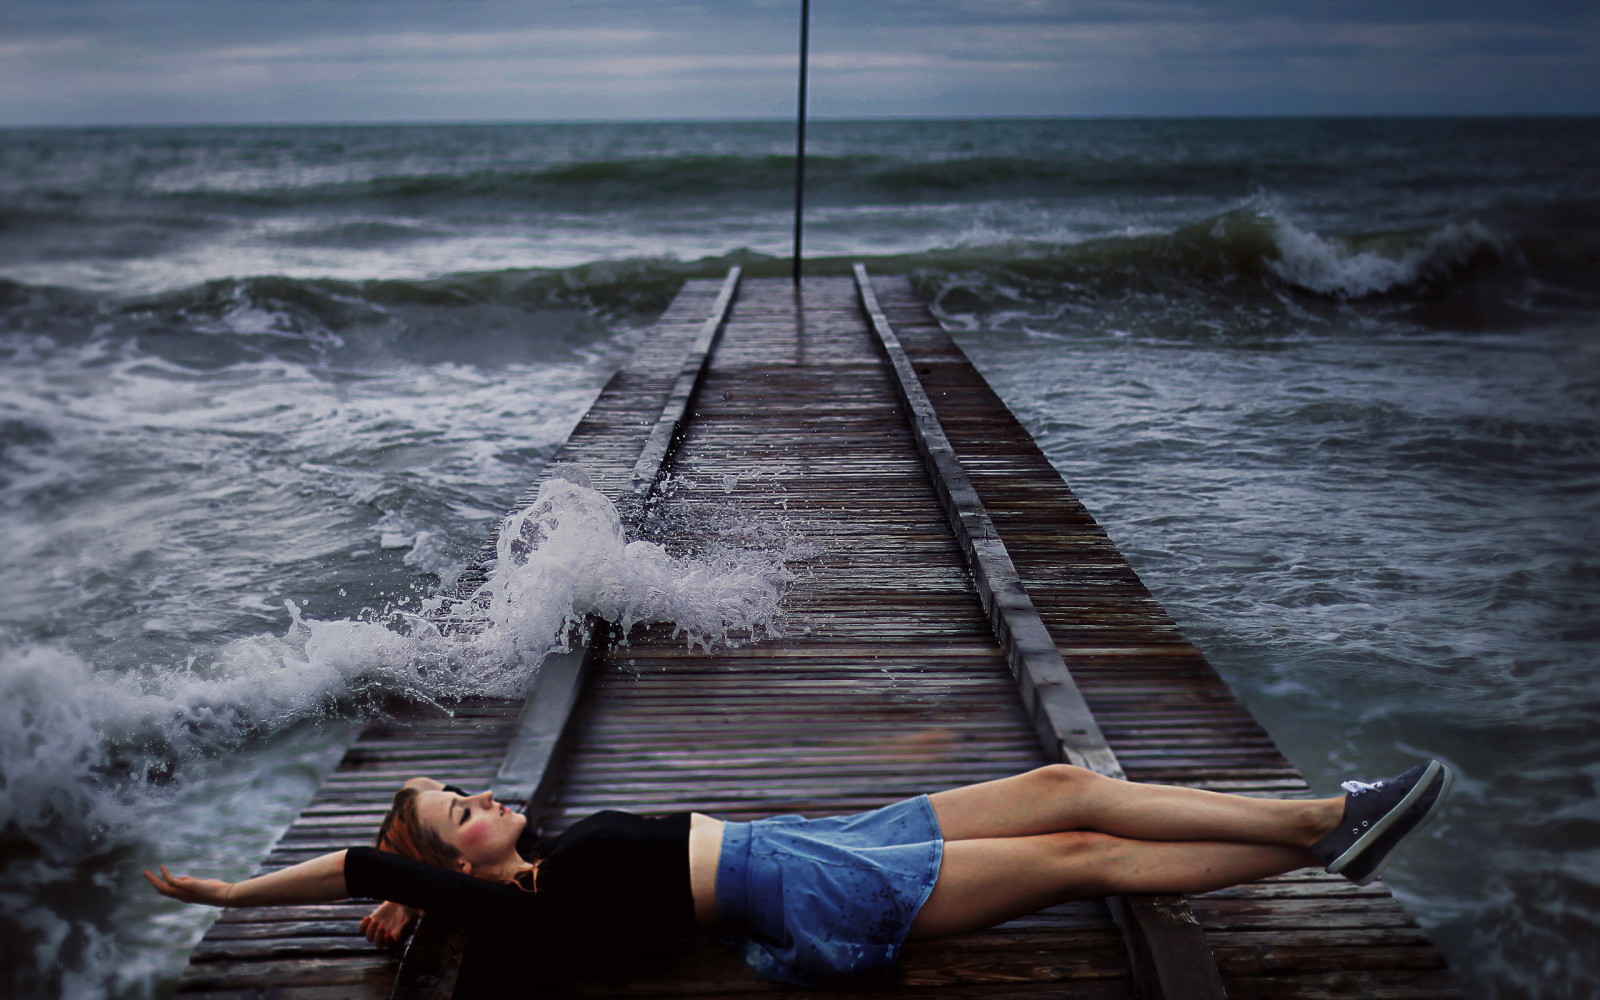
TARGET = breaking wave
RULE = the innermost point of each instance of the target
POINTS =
(735, 178)
(72, 723)
(89, 748)
(1253, 254)
(1375, 265)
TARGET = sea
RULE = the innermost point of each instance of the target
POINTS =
(1332, 384)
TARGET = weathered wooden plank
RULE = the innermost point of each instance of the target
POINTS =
(977, 963)
(1399, 983)
(372, 973)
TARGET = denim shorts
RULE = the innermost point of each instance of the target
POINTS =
(827, 902)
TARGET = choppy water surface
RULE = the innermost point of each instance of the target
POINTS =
(1333, 385)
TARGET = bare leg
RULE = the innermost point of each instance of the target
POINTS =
(984, 882)
(1060, 797)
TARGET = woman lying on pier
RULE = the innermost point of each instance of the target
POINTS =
(825, 901)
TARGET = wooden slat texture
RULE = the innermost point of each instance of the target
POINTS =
(887, 680)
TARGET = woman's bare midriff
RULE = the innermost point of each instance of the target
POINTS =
(705, 850)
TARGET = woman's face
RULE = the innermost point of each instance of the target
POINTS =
(482, 830)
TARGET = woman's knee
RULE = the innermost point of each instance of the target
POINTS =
(1080, 845)
(1063, 779)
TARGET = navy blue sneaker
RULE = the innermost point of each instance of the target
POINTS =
(1380, 817)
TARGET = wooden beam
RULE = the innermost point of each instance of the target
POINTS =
(669, 426)
(533, 756)
(1166, 945)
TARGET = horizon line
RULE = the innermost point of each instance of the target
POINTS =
(752, 120)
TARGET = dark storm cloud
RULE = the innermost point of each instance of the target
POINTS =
(66, 61)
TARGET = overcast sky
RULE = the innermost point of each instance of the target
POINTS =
(159, 61)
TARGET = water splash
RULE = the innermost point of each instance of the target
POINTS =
(69, 723)
(86, 751)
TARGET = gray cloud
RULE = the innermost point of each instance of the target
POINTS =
(126, 61)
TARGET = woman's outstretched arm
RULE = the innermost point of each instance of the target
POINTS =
(319, 880)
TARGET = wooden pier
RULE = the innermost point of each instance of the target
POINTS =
(964, 618)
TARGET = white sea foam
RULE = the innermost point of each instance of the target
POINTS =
(86, 750)
(565, 556)
(1334, 266)
(66, 722)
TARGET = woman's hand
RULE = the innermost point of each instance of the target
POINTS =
(320, 880)
(205, 891)
(387, 924)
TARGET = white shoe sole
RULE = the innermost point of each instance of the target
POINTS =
(1444, 789)
(1393, 816)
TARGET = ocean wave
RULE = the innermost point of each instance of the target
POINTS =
(769, 178)
(587, 183)
(72, 725)
(626, 290)
(1419, 439)
(1379, 263)
(1255, 274)
(1255, 256)
(356, 235)
(1256, 248)
(87, 749)
(475, 318)
(50, 209)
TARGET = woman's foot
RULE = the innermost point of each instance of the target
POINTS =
(1380, 817)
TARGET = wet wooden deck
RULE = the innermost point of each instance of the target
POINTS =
(889, 680)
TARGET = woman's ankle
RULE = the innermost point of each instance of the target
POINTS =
(1319, 818)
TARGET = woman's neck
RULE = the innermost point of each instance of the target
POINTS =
(504, 869)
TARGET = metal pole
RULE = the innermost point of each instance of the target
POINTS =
(800, 136)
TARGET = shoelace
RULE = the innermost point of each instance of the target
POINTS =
(1357, 787)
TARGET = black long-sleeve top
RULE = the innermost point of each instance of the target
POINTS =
(611, 889)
